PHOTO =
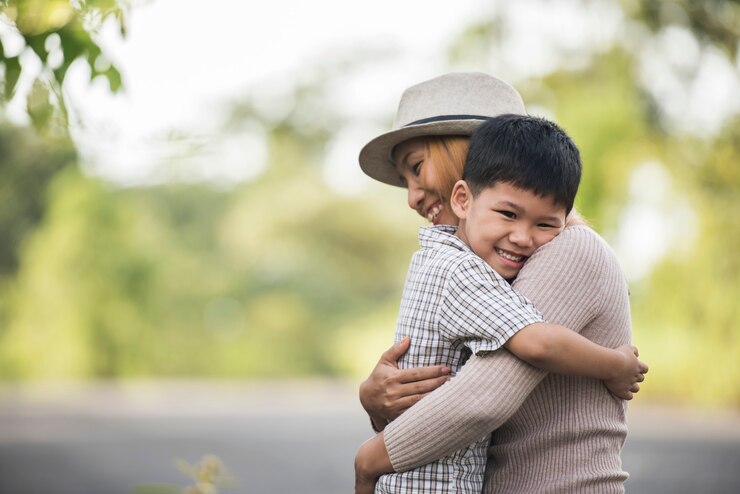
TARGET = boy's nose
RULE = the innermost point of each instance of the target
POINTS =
(521, 237)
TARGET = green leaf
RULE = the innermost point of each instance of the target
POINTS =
(114, 79)
(38, 105)
(37, 43)
(61, 71)
(12, 74)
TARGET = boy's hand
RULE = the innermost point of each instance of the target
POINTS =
(389, 391)
(627, 378)
(364, 485)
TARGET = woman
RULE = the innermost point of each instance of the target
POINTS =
(550, 432)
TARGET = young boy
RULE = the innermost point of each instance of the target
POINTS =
(519, 183)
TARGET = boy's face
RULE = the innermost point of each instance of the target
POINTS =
(504, 225)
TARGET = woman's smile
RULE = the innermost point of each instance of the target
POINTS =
(432, 213)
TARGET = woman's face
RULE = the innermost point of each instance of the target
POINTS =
(418, 172)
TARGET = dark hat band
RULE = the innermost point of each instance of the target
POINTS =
(443, 118)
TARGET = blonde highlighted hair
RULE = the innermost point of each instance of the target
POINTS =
(448, 155)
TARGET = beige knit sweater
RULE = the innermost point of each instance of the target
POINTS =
(552, 433)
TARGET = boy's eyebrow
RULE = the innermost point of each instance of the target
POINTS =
(510, 205)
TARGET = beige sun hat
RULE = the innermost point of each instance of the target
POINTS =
(451, 104)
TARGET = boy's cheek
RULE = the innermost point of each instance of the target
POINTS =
(550, 236)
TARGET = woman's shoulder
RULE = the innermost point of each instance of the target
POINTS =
(578, 240)
(577, 247)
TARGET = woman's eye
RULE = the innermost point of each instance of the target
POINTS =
(416, 168)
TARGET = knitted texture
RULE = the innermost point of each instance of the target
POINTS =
(552, 433)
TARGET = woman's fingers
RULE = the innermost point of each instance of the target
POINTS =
(416, 374)
(395, 352)
(423, 387)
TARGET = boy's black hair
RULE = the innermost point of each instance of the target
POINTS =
(530, 153)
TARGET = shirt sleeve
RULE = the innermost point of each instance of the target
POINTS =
(481, 308)
(562, 279)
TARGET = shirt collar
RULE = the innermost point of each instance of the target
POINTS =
(433, 237)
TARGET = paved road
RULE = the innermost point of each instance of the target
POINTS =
(282, 438)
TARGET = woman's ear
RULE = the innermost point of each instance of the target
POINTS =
(460, 199)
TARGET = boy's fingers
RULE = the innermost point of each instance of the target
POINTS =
(635, 351)
(422, 373)
(643, 368)
(624, 395)
(635, 388)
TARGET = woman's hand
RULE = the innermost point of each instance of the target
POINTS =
(389, 391)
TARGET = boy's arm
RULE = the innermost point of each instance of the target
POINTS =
(555, 348)
(371, 462)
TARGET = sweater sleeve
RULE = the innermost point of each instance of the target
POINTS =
(562, 279)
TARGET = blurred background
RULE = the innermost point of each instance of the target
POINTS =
(192, 262)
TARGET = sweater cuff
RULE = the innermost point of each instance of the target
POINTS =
(403, 440)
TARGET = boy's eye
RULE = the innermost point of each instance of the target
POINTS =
(546, 225)
(508, 214)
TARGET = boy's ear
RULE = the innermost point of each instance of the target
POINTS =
(460, 199)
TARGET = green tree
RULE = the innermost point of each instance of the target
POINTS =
(684, 314)
(57, 33)
(28, 163)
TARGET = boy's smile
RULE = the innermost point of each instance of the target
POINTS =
(504, 224)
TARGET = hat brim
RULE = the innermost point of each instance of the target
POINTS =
(375, 156)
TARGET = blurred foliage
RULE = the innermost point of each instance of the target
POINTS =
(208, 476)
(57, 33)
(685, 312)
(194, 280)
(716, 22)
(283, 276)
(29, 163)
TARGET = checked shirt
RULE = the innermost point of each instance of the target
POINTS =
(453, 305)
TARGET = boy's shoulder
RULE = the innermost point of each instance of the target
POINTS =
(440, 242)
(443, 253)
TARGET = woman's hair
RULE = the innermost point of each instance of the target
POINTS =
(448, 155)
